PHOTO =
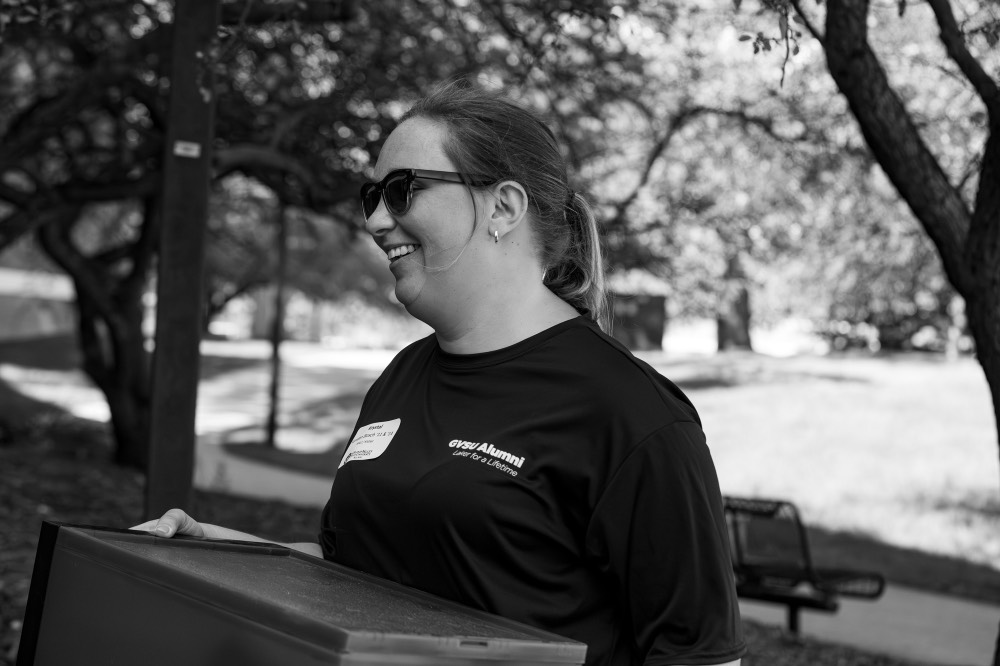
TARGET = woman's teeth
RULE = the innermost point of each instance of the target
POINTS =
(401, 251)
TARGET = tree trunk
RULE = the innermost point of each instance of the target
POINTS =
(968, 242)
(278, 328)
(733, 317)
(892, 136)
(130, 424)
(109, 323)
(983, 256)
(984, 322)
(115, 359)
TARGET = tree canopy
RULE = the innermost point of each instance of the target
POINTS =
(712, 170)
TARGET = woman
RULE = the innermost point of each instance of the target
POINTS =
(519, 460)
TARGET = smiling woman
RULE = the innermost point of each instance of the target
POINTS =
(519, 460)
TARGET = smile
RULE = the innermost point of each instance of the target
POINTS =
(401, 251)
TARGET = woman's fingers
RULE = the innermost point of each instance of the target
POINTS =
(174, 521)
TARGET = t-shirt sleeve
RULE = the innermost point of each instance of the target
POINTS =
(659, 534)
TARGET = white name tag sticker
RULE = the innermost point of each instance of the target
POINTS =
(370, 441)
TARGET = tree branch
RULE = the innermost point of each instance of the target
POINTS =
(246, 156)
(954, 44)
(806, 22)
(253, 13)
(677, 121)
(145, 247)
(83, 192)
(894, 140)
(14, 196)
(40, 120)
(55, 240)
(24, 221)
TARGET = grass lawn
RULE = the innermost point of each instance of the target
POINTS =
(892, 461)
(899, 448)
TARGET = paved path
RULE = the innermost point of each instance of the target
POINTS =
(217, 469)
(904, 622)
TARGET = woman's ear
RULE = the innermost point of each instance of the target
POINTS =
(510, 206)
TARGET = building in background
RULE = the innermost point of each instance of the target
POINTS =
(35, 304)
(639, 308)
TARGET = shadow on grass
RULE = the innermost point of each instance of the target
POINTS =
(316, 420)
(46, 427)
(830, 548)
(713, 378)
(702, 383)
(20, 409)
(213, 366)
(983, 504)
(734, 369)
(58, 352)
(61, 352)
(905, 566)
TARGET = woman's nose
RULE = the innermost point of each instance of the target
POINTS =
(380, 222)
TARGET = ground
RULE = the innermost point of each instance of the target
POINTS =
(60, 472)
(874, 415)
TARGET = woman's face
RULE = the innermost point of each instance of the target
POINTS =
(426, 245)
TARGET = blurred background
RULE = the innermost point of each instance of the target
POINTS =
(766, 251)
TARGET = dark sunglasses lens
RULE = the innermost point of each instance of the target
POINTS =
(397, 194)
(369, 198)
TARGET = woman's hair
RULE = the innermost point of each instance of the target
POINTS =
(492, 137)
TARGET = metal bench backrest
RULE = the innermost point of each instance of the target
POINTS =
(767, 535)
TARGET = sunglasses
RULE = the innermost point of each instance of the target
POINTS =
(396, 189)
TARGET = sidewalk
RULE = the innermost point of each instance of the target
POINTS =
(904, 622)
(217, 469)
(231, 408)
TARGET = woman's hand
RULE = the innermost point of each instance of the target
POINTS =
(176, 521)
(173, 522)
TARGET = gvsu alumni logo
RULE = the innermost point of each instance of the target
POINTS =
(487, 454)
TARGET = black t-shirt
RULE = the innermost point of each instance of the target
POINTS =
(560, 482)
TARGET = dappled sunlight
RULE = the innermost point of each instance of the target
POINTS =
(901, 447)
(68, 389)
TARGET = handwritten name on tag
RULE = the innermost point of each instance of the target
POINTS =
(370, 441)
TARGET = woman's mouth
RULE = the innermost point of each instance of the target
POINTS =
(401, 251)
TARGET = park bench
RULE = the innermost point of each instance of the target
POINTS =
(772, 562)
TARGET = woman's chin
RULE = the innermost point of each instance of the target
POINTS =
(419, 306)
(408, 293)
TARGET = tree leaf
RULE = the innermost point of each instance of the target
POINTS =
(746, 38)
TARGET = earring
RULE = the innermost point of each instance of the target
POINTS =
(496, 236)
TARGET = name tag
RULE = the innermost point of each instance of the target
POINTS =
(370, 441)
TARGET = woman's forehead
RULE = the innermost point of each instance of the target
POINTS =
(418, 143)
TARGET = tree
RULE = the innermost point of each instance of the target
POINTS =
(304, 99)
(713, 193)
(959, 210)
(85, 125)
